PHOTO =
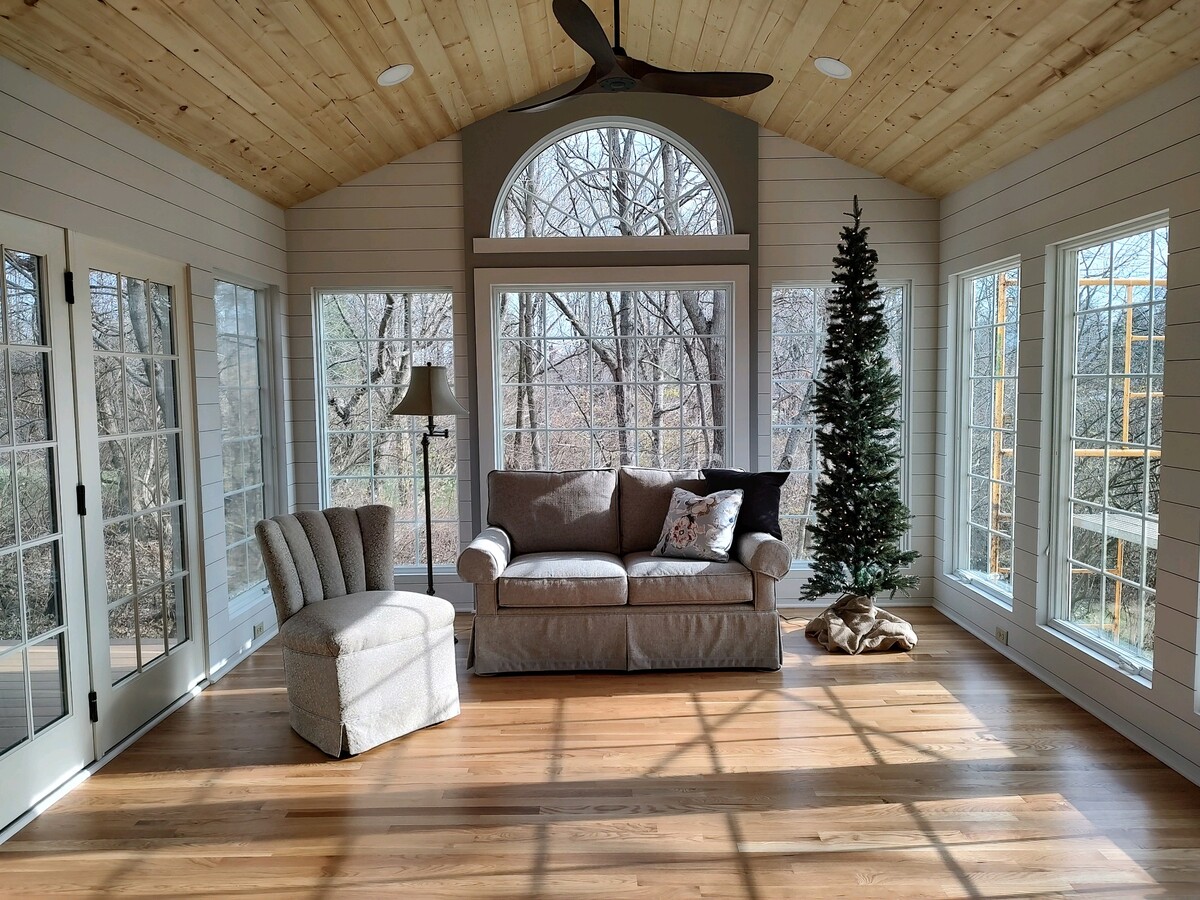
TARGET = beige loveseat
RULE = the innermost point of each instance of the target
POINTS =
(564, 580)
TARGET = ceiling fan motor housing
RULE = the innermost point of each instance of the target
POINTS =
(616, 84)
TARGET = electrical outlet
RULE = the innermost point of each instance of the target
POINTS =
(1002, 634)
(259, 628)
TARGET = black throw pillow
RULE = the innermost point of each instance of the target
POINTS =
(760, 497)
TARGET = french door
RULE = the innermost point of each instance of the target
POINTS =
(45, 732)
(135, 453)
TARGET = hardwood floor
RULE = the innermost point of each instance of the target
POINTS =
(943, 772)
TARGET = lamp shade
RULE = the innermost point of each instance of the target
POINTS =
(429, 394)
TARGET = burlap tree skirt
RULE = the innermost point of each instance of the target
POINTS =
(856, 625)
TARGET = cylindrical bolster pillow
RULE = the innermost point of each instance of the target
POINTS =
(759, 552)
(482, 561)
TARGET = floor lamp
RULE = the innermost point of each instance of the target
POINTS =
(429, 395)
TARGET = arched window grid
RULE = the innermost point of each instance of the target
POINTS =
(572, 209)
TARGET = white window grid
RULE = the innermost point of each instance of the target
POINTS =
(369, 479)
(685, 444)
(990, 305)
(793, 443)
(245, 428)
(1098, 585)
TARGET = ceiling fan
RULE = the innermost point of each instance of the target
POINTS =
(613, 71)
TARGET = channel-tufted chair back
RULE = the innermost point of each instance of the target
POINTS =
(312, 556)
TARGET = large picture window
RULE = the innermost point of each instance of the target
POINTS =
(988, 426)
(369, 342)
(799, 319)
(246, 463)
(607, 377)
(1116, 294)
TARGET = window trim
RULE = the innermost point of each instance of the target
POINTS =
(766, 457)
(590, 124)
(490, 283)
(322, 424)
(960, 408)
(1062, 255)
(274, 460)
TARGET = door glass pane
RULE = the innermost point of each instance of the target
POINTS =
(14, 701)
(122, 640)
(23, 291)
(10, 603)
(33, 627)
(141, 490)
(43, 594)
(48, 681)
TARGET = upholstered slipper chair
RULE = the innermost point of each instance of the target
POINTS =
(364, 663)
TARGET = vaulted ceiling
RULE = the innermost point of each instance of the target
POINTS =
(280, 95)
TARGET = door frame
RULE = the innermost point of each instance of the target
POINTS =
(125, 707)
(36, 770)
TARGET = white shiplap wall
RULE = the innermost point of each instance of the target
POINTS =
(68, 164)
(803, 195)
(1139, 159)
(400, 226)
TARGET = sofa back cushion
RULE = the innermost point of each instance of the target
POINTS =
(645, 497)
(548, 511)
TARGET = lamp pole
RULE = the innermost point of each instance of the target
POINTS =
(429, 395)
(429, 432)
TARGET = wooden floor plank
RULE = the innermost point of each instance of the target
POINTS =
(945, 772)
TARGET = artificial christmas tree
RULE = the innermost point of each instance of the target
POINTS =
(860, 517)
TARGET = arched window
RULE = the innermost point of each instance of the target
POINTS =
(610, 180)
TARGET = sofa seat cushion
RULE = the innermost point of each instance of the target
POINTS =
(563, 579)
(666, 581)
(364, 621)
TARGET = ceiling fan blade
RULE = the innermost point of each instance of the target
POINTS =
(581, 26)
(588, 81)
(706, 84)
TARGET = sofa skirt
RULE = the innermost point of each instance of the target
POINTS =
(626, 638)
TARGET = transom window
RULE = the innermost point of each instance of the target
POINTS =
(799, 320)
(610, 376)
(1117, 291)
(370, 340)
(990, 302)
(610, 180)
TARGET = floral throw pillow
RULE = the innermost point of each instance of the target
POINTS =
(699, 527)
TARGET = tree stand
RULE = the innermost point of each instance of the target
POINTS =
(854, 624)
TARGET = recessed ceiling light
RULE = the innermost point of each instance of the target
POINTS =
(834, 68)
(394, 75)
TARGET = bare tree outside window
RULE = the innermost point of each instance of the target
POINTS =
(1115, 442)
(610, 181)
(799, 319)
(370, 340)
(613, 377)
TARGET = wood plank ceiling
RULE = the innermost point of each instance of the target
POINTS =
(280, 95)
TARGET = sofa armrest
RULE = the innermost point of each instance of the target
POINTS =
(759, 552)
(482, 560)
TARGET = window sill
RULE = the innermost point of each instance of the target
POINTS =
(1065, 634)
(249, 600)
(983, 589)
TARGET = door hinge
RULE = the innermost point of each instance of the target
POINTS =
(93, 707)
(69, 286)
(81, 499)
